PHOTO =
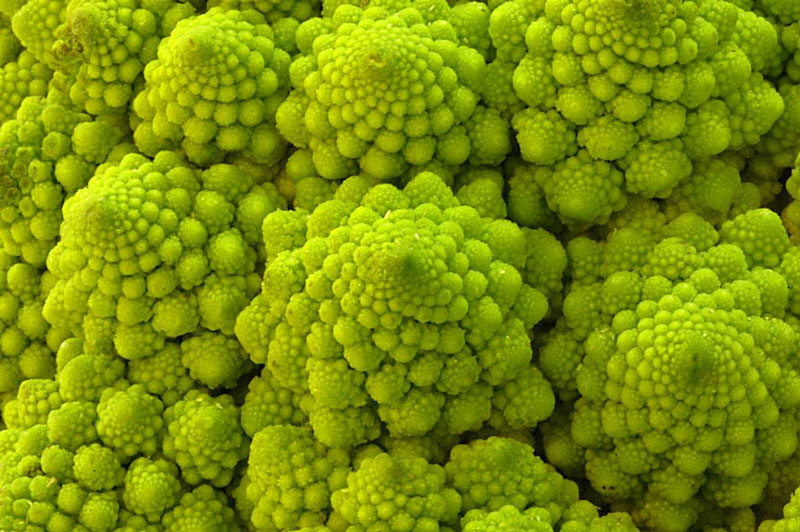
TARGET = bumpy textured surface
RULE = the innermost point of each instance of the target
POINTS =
(290, 478)
(415, 312)
(274, 11)
(411, 486)
(19, 79)
(27, 342)
(623, 96)
(50, 151)
(688, 391)
(214, 89)
(492, 473)
(153, 250)
(111, 41)
(204, 438)
(359, 105)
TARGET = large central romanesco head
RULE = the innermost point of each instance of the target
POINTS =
(408, 310)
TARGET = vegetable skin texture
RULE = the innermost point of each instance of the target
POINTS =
(623, 113)
(182, 280)
(210, 106)
(680, 360)
(415, 310)
(359, 108)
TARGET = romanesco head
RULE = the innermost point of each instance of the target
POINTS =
(623, 97)
(408, 309)
(682, 363)
(290, 478)
(413, 488)
(214, 89)
(111, 41)
(204, 438)
(492, 473)
(384, 93)
(152, 251)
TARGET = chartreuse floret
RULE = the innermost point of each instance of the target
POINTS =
(581, 516)
(35, 399)
(34, 24)
(129, 421)
(290, 478)
(109, 43)
(59, 478)
(152, 252)
(151, 487)
(50, 151)
(681, 355)
(492, 473)
(268, 403)
(27, 341)
(623, 97)
(276, 12)
(203, 508)
(408, 310)
(23, 77)
(386, 91)
(214, 89)
(204, 438)
(414, 489)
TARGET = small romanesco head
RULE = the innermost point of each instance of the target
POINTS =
(154, 251)
(204, 438)
(381, 93)
(619, 99)
(50, 151)
(214, 89)
(290, 478)
(109, 42)
(412, 487)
